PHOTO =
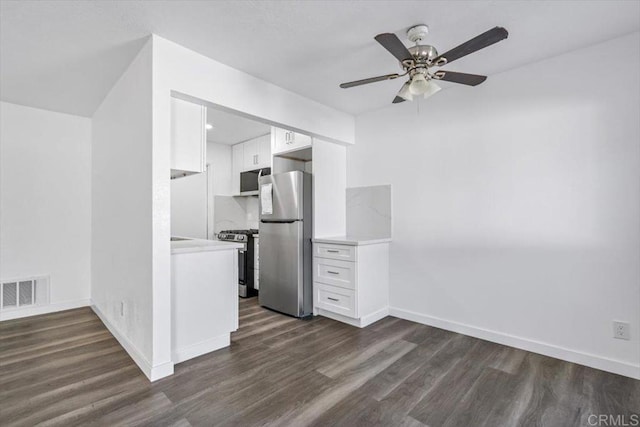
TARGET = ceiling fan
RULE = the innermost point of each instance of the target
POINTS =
(417, 61)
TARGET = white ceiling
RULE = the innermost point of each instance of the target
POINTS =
(66, 55)
(231, 129)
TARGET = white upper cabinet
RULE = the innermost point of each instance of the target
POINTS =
(250, 155)
(286, 140)
(257, 153)
(188, 138)
(250, 152)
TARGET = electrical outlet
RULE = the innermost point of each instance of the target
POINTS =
(121, 308)
(621, 330)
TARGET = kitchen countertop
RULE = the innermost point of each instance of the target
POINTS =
(202, 245)
(352, 240)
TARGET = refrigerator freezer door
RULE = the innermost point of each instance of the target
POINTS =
(286, 197)
(281, 267)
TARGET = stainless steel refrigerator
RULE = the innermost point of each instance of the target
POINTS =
(285, 243)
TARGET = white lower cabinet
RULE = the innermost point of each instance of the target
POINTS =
(351, 282)
(336, 299)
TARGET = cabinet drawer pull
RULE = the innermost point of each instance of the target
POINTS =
(333, 251)
(333, 299)
(333, 272)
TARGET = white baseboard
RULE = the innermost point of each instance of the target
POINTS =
(152, 372)
(358, 323)
(45, 309)
(204, 347)
(374, 317)
(586, 359)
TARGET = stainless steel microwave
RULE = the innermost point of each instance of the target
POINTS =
(249, 180)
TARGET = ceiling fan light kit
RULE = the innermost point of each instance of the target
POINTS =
(416, 61)
(419, 84)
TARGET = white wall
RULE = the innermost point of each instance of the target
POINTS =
(189, 206)
(192, 74)
(219, 157)
(122, 214)
(329, 186)
(516, 205)
(45, 202)
(176, 68)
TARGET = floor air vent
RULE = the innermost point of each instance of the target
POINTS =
(24, 293)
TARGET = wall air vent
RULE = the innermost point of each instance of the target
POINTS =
(24, 292)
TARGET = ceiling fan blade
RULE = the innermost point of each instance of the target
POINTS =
(485, 39)
(463, 78)
(369, 80)
(398, 100)
(392, 43)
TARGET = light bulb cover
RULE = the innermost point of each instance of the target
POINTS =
(432, 89)
(405, 93)
(419, 84)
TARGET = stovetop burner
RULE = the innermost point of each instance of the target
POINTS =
(249, 231)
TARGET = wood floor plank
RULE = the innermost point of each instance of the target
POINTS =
(350, 381)
(33, 322)
(138, 412)
(486, 400)
(359, 408)
(381, 385)
(441, 400)
(65, 369)
(20, 389)
(35, 369)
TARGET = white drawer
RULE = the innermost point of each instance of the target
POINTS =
(336, 300)
(334, 272)
(327, 250)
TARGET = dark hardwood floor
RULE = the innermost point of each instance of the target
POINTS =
(66, 369)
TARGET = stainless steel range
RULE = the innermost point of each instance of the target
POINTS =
(246, 259)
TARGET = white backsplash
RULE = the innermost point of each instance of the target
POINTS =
(235, 213)
(369, 211)
(252, 210)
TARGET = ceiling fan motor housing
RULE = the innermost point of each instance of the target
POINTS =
(422, 53)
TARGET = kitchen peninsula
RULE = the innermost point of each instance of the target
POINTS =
(204, 293)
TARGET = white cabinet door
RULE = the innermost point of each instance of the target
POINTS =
(188, 136)
(251, 153)
(237, 156)
(286, 140)
(257, 153)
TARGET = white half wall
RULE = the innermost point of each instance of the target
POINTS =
(45, 203)
(122, 217)
(517, 205)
